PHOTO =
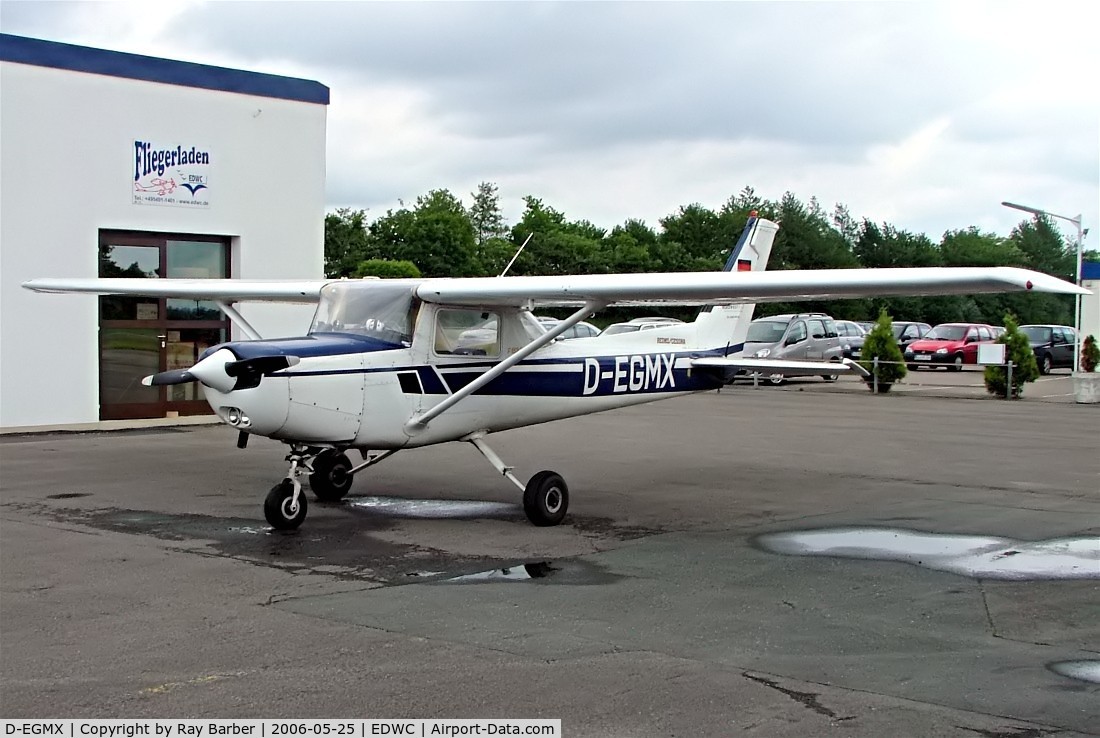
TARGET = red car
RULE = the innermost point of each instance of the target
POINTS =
(949, 345)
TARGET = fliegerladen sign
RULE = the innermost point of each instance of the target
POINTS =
(176, 175)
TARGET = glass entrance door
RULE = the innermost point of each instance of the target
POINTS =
(139, 336)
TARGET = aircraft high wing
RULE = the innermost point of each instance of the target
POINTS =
(394, 364)
(608, 290)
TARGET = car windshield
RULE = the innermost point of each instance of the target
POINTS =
(1037, 333)
(374, 308)
(766, 331)
(946, 333)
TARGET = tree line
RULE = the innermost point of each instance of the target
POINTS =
(440, 236)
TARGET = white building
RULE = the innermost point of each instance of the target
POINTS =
(116, 164)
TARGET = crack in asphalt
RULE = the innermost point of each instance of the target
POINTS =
(809, 699)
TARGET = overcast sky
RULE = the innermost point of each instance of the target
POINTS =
(925, 115)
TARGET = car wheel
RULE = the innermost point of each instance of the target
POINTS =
(776, 379)
(957, 364)
(1046, 364)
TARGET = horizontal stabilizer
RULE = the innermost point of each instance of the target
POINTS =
(779, 366)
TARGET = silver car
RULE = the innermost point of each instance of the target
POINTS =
(802, 337)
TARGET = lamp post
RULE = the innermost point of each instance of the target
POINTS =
(1077, 298)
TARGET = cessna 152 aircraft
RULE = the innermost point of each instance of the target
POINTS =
(395, 364)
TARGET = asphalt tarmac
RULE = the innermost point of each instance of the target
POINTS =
(687, 594)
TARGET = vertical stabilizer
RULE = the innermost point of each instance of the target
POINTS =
(725, 326)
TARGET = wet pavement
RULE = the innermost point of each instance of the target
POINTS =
(770, 562)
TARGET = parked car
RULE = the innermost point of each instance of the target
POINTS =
(805, 337)
(1052, 344)
(580, 330)
(852, 335)
(905, 332)
(949, 345)
(645, 324)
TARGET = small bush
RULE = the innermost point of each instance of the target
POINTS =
(1024, 367)
(1090, 354)
(880, 342)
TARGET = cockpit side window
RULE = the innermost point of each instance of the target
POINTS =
(467, 332)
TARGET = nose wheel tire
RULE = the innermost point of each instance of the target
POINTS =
(330, 480)
(546, 499)
(279, 509)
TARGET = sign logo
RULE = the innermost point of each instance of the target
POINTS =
(171, 175)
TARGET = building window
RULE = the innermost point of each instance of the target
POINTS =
(139, 336)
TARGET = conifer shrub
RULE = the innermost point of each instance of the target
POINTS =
(880, 342)
(1024, 367)
(1090, 355)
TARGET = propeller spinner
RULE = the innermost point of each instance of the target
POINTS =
(222, 371)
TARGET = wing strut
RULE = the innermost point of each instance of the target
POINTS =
(419, 422)
(237, 318)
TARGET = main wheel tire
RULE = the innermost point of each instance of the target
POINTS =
(546, 499)
(1046, 365)
(330, 480)
(278, 510)
(957, 363)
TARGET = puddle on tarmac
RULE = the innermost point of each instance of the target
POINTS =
(980, 557)
(536, 570)
(401, 507)
(1085, 670)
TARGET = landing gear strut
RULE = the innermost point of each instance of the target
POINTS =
(330, 476)
(285, 506)
(545, 496)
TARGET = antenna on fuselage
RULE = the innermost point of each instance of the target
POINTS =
(518, 252)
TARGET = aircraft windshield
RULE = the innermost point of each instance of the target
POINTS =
(376, 309)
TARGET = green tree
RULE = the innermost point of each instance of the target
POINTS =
(435, 235)
(346, 241)
(485, 214)
(387, 269)
(881, 344)
(1018, 351)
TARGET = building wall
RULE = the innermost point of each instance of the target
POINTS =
(1090, 304)
(67, 171)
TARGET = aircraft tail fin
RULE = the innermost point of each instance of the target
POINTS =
(725, 326)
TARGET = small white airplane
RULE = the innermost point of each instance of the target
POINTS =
(395, 364)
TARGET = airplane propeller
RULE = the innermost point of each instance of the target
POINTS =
(223, 371)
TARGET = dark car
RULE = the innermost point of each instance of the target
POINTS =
(1052, 344)
(852, 337)
(949, 345)
(905, 332)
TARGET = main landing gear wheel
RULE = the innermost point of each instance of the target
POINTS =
(330, 480)
(545, 499)
(280, 509)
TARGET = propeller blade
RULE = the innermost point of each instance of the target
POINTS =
(172, 376)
